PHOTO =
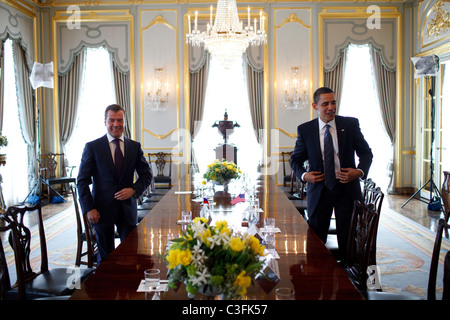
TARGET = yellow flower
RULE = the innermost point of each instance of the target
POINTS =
(221, 224)
(172, 258)
(203, 182)
(234, 169)
(243, 282)
(200, 219)
(237, 244)
(224, 163)
(205, 235)
(217, 169)
(256, 247)
(184, 257)
(229, 167)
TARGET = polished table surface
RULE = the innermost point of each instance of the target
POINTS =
(304, 264)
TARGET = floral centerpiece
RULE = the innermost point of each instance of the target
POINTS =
(3, 143)
(222, 171)
(207, 257)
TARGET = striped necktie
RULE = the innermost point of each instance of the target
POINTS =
(330, 174)
(118, 157)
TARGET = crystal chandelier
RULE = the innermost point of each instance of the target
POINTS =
(295, 96)
(227, 39)
(157, 95)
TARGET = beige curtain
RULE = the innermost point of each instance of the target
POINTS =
(69, 86)
(122, 89)
(386, 87)
(334, 77)
(198, 80)
(2, 81)
(255, 87)
(27, 114)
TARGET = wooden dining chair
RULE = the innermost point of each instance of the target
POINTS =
(85, 235)
(5, 280)
(55, 172)
(45, 282)
(431, 292)
(285, 156)
(360, 245)
(446, 290)
(163, 175)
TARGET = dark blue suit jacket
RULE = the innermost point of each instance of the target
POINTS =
(97, 168)
(307, 148)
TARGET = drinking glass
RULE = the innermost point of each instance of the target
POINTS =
(270, 241)
(186, 216)
(152, 278)
(269, 224)
(285, 294)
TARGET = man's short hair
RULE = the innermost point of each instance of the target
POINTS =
(318, 92)
(114, 108)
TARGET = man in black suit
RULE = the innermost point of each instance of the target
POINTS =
(331, 141)
(109, 164)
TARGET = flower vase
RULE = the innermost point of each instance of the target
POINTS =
(211, 292)
(221, 195)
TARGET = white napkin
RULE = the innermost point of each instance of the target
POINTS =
(163, 285)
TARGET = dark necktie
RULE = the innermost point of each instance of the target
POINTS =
(118, 157)
(330, 174)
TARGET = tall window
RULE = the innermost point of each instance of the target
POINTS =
(97, 93)
(227, 90)
(15, 173)
(360, 100)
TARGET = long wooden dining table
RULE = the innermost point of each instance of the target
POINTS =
(304, 262)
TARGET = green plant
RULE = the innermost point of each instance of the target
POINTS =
(3, 141)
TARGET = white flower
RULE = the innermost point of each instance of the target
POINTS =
(198, 255)
(202, 277)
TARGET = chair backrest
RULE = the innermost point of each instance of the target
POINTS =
(368, 184)
(362, 230)
(286, 155)
(161, 159)
(15, 215)
(445, 193)
(5, 282)
(53, 165)
(83, 226)
(442, 225)
(446, 291)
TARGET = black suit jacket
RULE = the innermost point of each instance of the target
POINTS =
(307, 148)
(97, 168)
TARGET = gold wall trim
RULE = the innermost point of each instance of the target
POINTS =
(293, 18)
(22, 7)
(160, 136)
(159, 20)
(290, 135)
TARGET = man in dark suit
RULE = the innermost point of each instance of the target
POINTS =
(109, 164)
(331, 141)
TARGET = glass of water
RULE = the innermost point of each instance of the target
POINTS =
(152, 278)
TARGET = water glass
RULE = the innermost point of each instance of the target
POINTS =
(269, 224)
(285, 294)
(186, 216)
(270, 241)
(152, 278)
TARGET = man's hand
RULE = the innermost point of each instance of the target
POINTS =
(314, 176)
(124, 194)
(93, 216)
(347, 175)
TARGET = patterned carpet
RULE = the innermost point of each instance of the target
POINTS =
(403, 250)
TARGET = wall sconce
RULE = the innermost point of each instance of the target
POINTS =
(295, 95)
(157, 94)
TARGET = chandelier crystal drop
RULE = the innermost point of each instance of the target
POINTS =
(227, 39)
